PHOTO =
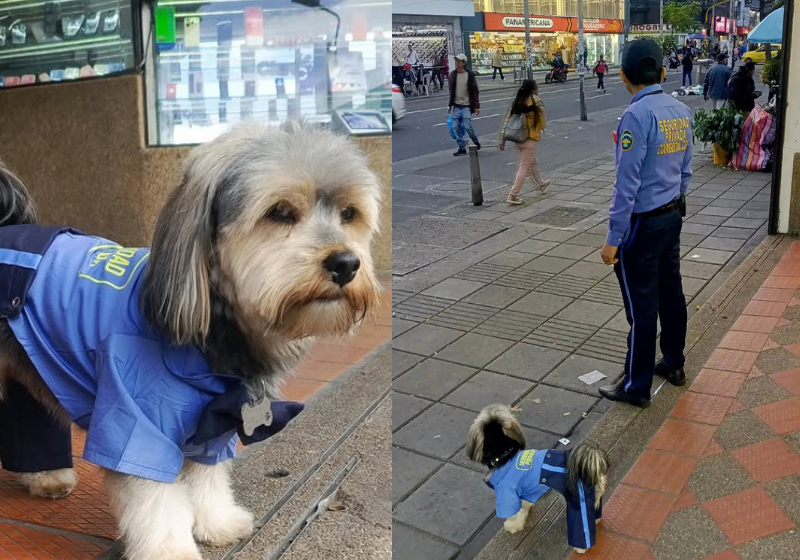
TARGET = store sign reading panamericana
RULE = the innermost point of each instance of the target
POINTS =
(511, 22)
(516, 22)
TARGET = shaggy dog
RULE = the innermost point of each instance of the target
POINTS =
(165, 353)
(519, 477)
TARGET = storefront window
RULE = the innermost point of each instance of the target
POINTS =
(54, 41)
(543, 48)
(218, 63)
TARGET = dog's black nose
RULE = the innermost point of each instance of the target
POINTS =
(343, 267)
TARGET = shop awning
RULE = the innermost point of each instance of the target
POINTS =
(770, 30)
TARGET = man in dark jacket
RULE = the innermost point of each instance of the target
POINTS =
(686, 61)
(715, 85)
(741, 88)
(464, 102)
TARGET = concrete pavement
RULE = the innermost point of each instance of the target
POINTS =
(512, 304)
(711, 471)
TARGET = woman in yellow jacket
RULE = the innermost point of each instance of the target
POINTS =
(527, 102)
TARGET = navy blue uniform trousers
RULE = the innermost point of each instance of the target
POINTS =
(650, 280)
(31, 440)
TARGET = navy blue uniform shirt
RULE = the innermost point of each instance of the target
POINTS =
(653, 158)
(531, 473)
(72, 301)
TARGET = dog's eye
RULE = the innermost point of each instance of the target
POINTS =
(348, 214)
(282, 213)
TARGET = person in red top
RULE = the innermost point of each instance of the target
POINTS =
(600, 69)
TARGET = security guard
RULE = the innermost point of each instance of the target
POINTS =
(654, 167)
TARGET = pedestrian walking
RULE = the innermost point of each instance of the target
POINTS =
(715, 85)
(464, 102)
(654, 167)
(497, 62)
(686, 62)
(528, 103)
(600, 69)
(742, 87)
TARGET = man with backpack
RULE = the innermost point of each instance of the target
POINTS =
(715, 85)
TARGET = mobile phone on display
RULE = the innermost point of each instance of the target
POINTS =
(280, 87)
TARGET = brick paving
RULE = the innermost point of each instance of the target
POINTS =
(81, 526)
(520, 324)
(720, 480)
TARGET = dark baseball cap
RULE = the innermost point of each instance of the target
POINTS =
(639, 52)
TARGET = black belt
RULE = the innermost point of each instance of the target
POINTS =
(666, 209)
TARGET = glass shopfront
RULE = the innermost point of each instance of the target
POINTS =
(219, 62)
(55, 41)
(548, 36)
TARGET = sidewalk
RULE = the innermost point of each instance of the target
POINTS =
(721, 478)
(81, 527)
(512, 304)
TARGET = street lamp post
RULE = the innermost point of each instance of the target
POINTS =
(581, 61)
(627, 20)
(528, 71)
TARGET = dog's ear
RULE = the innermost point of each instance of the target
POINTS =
(475, 441)
(176, 297)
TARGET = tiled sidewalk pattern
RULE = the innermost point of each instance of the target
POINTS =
(80, 526)
(721, 479)
(519, 328)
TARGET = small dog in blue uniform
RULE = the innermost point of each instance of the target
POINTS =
(521, 476)
(170, 355)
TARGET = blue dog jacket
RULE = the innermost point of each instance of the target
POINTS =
(531, 473)
(72, 301)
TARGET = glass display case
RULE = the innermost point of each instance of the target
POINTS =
(220, 62)
(60, 40)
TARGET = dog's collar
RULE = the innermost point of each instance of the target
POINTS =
(503, 457)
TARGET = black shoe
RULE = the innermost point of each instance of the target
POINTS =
(616, 392)
(478, 145)
(461, 152)
(675, 376)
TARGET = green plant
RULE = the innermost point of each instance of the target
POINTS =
(771, 71)
(720, 126)
(667, 43)
(682, 16)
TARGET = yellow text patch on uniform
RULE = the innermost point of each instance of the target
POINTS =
(525, 460)
(626, 140)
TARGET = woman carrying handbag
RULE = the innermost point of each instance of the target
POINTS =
(524, 124)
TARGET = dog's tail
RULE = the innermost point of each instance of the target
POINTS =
(589, 465)
(16, 205)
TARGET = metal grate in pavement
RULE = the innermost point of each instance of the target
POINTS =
(611, 345)
(421, 308)
(463, 316)
(570, 286)
(604, 292)
(523, 279)
(399, 296)
(484, 272)
(511, 325)
(561, 335)
(561, 216)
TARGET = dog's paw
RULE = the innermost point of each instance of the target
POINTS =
(168, 553)
(223, 527)
(50, 484)
(579, 550)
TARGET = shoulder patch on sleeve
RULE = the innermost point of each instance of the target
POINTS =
(626, 140)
